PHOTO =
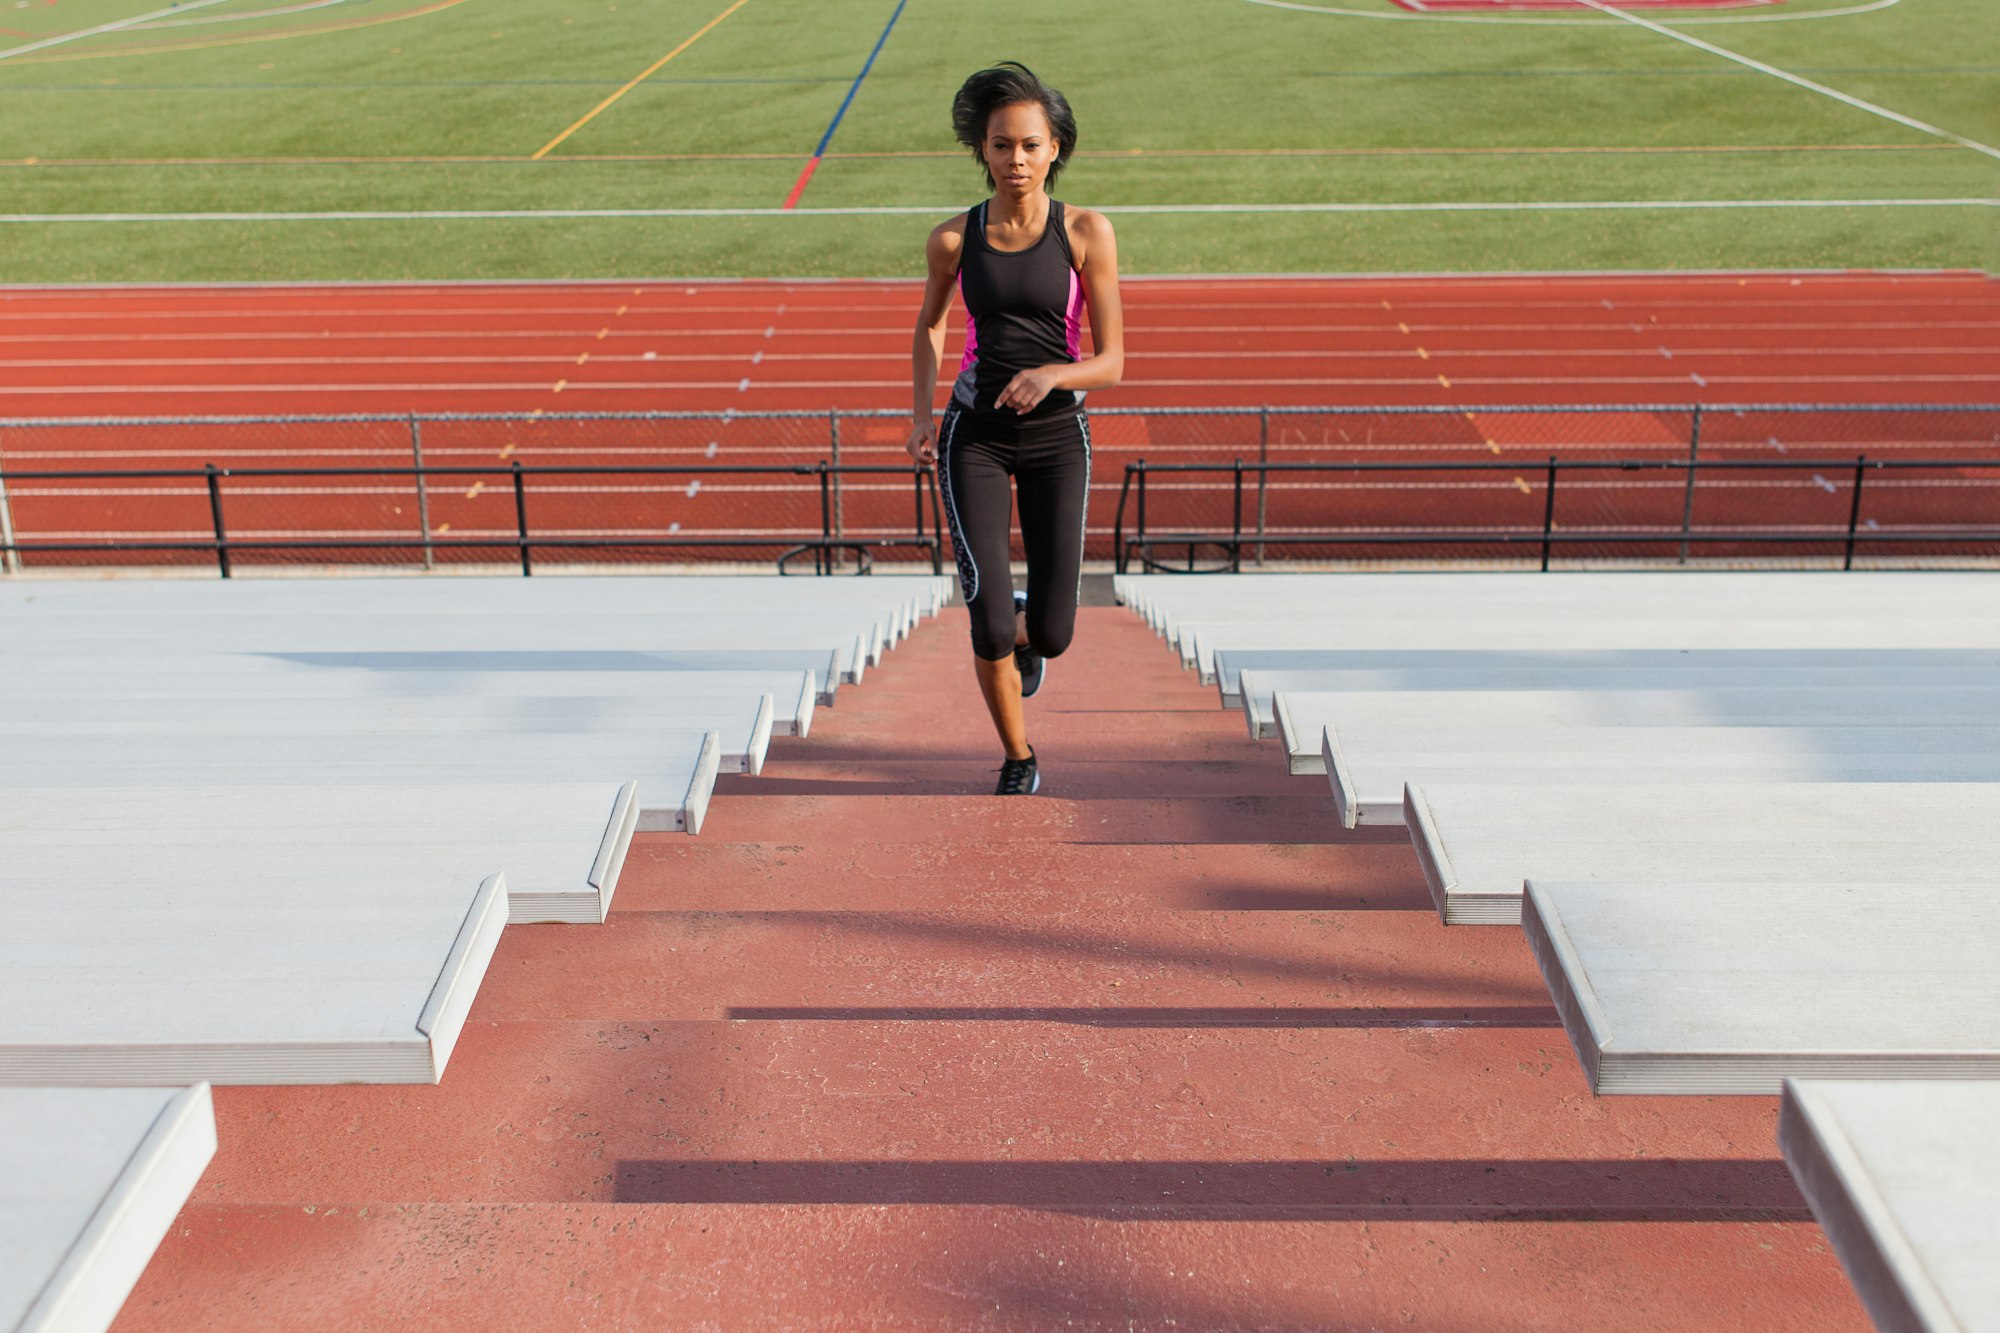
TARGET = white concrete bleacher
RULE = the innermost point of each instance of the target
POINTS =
(674, 761)
(302, 917)
(1560, 613)
(412, 636)
(679, 618)
(275, 935)
(1424, 720)
(1905, 1181)
(90, 1181)
(1253, 680)
(1368, 766)
(1672, 985)
(1371, 743)
(1478, 843)
(561, 846)
(1701, 930)
(47, 689)
(1175, 604)
(298, 865)
(1565, 633)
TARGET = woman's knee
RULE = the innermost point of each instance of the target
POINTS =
(992, 630)
(1051, 635)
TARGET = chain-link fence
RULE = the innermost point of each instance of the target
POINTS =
(1225, 486)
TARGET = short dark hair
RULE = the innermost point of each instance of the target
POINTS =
(1010, 83)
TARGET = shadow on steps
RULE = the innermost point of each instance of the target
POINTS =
(1662, 1190)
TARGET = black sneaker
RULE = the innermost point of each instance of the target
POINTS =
(1019, 777)
(1032, 665)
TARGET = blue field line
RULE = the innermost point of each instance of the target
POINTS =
(848, 101)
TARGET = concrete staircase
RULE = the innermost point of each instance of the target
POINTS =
(1161, 1048)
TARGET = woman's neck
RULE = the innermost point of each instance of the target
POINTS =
(1025, 213)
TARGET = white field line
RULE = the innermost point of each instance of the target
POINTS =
(1532, 21)
(1845, 99)
(81, 33)
(246, 17)
(929, 210)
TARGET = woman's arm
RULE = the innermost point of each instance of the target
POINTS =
(1096, 250)
(927, 348)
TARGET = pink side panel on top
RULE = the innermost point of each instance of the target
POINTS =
(1074, 320)
(971, 356)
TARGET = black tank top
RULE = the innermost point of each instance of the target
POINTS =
(1023, 309)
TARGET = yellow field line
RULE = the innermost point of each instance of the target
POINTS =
(647, 73)
(285, 34)
(502, 158)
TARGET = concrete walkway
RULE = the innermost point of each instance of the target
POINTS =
(1162, 1048)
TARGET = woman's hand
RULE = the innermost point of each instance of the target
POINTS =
(922, 444)
(1026, 390)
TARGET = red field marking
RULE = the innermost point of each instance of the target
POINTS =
(1512, 6)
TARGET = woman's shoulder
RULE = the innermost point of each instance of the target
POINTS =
(947, 239)
(1085, 222)
(1085, 227)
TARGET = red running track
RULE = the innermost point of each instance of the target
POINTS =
(843, 346)
(1846, 338)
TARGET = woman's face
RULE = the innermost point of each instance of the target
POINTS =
(1019, 148)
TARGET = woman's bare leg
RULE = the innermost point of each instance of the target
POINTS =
(1000, 682)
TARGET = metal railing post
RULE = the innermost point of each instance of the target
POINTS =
(839, 508)
(1263, 475)
(1140, 537)
(10, 559)
(1236, 525)
(1854, 509)
(1119, 561)
(1549, 516)
(1687, 503)
(215, 514)
(521, 519)
(423, 489)
(824, 565)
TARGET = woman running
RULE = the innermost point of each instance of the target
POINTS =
(1025, 266)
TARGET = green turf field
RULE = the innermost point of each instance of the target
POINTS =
(412, 106)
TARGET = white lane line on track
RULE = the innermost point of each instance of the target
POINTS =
(909, 210)
(656, 386)
(813, 286)
(1137, 354)
(123, 335)
(1845, 99)
(1473, 291)
(897, 323)
(116, 25)
(316, 319)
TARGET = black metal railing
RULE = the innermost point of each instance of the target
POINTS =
(1234, 448)
(1143, 542)
(826, 549)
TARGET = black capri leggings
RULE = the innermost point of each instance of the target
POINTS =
(1049, 459)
